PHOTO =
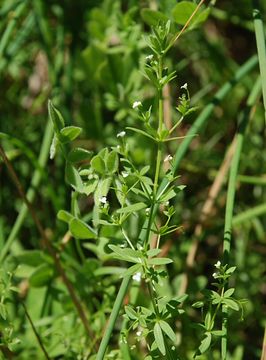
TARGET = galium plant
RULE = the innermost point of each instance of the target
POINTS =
(213, 302)
(122, 192)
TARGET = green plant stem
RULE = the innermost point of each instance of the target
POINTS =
(114, 314)
(261, 48)
(202, 118)
(42, 160)
(36, 332)
(231, 198)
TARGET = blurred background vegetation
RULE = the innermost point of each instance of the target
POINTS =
(88, 56)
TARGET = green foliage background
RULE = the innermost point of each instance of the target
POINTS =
(89, 56)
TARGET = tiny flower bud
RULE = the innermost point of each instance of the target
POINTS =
(121, 134)
(103, 200)
(137, 277)
(124, 174)
(168, 158)
(218, 265)
(136, 104)
(149, 57)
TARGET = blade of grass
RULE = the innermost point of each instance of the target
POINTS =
(203, 117)
(10, 27)
(231, 198)
(261, 48)
(249, 214)
(42, 160)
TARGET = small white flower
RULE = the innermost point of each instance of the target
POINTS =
(138, 333)
(147, 211)
(184, 86)
(167, 203)
(103, 200)
(137, 277)
(168, 158)
(149, 57)
(136, 104)
(125, 174)
(218, 265)
(121, 134)
(215, 275)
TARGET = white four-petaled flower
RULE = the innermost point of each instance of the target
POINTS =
(103, 200)
(136, 104)
(137, 276)
(149, 57)
(218, 265)
(125, 174)
(168, 158)
(121, 134)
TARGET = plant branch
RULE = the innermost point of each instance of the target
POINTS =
(36, 332)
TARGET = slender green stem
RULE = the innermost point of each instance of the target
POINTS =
(36, 333)
(230, 201)
(203, 117)
(113, 317)
(261, 47)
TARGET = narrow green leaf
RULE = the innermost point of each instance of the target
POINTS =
(131, 313)
(205, 343)
(64, 216)
(79, 154)
(141, 132)
(126, 254)
(3, 311)
(132, 270)
(198, 304)
(153, 252)
(56, 117)
(218, 332)
(208, 321)
(69, 133)
(79, 229)
(159, 261)
(230, 270)
(168, 330)
(232, 304)
(109, 270)
(132, 208)
(158, 336)
(73, 178)
(229, 292)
